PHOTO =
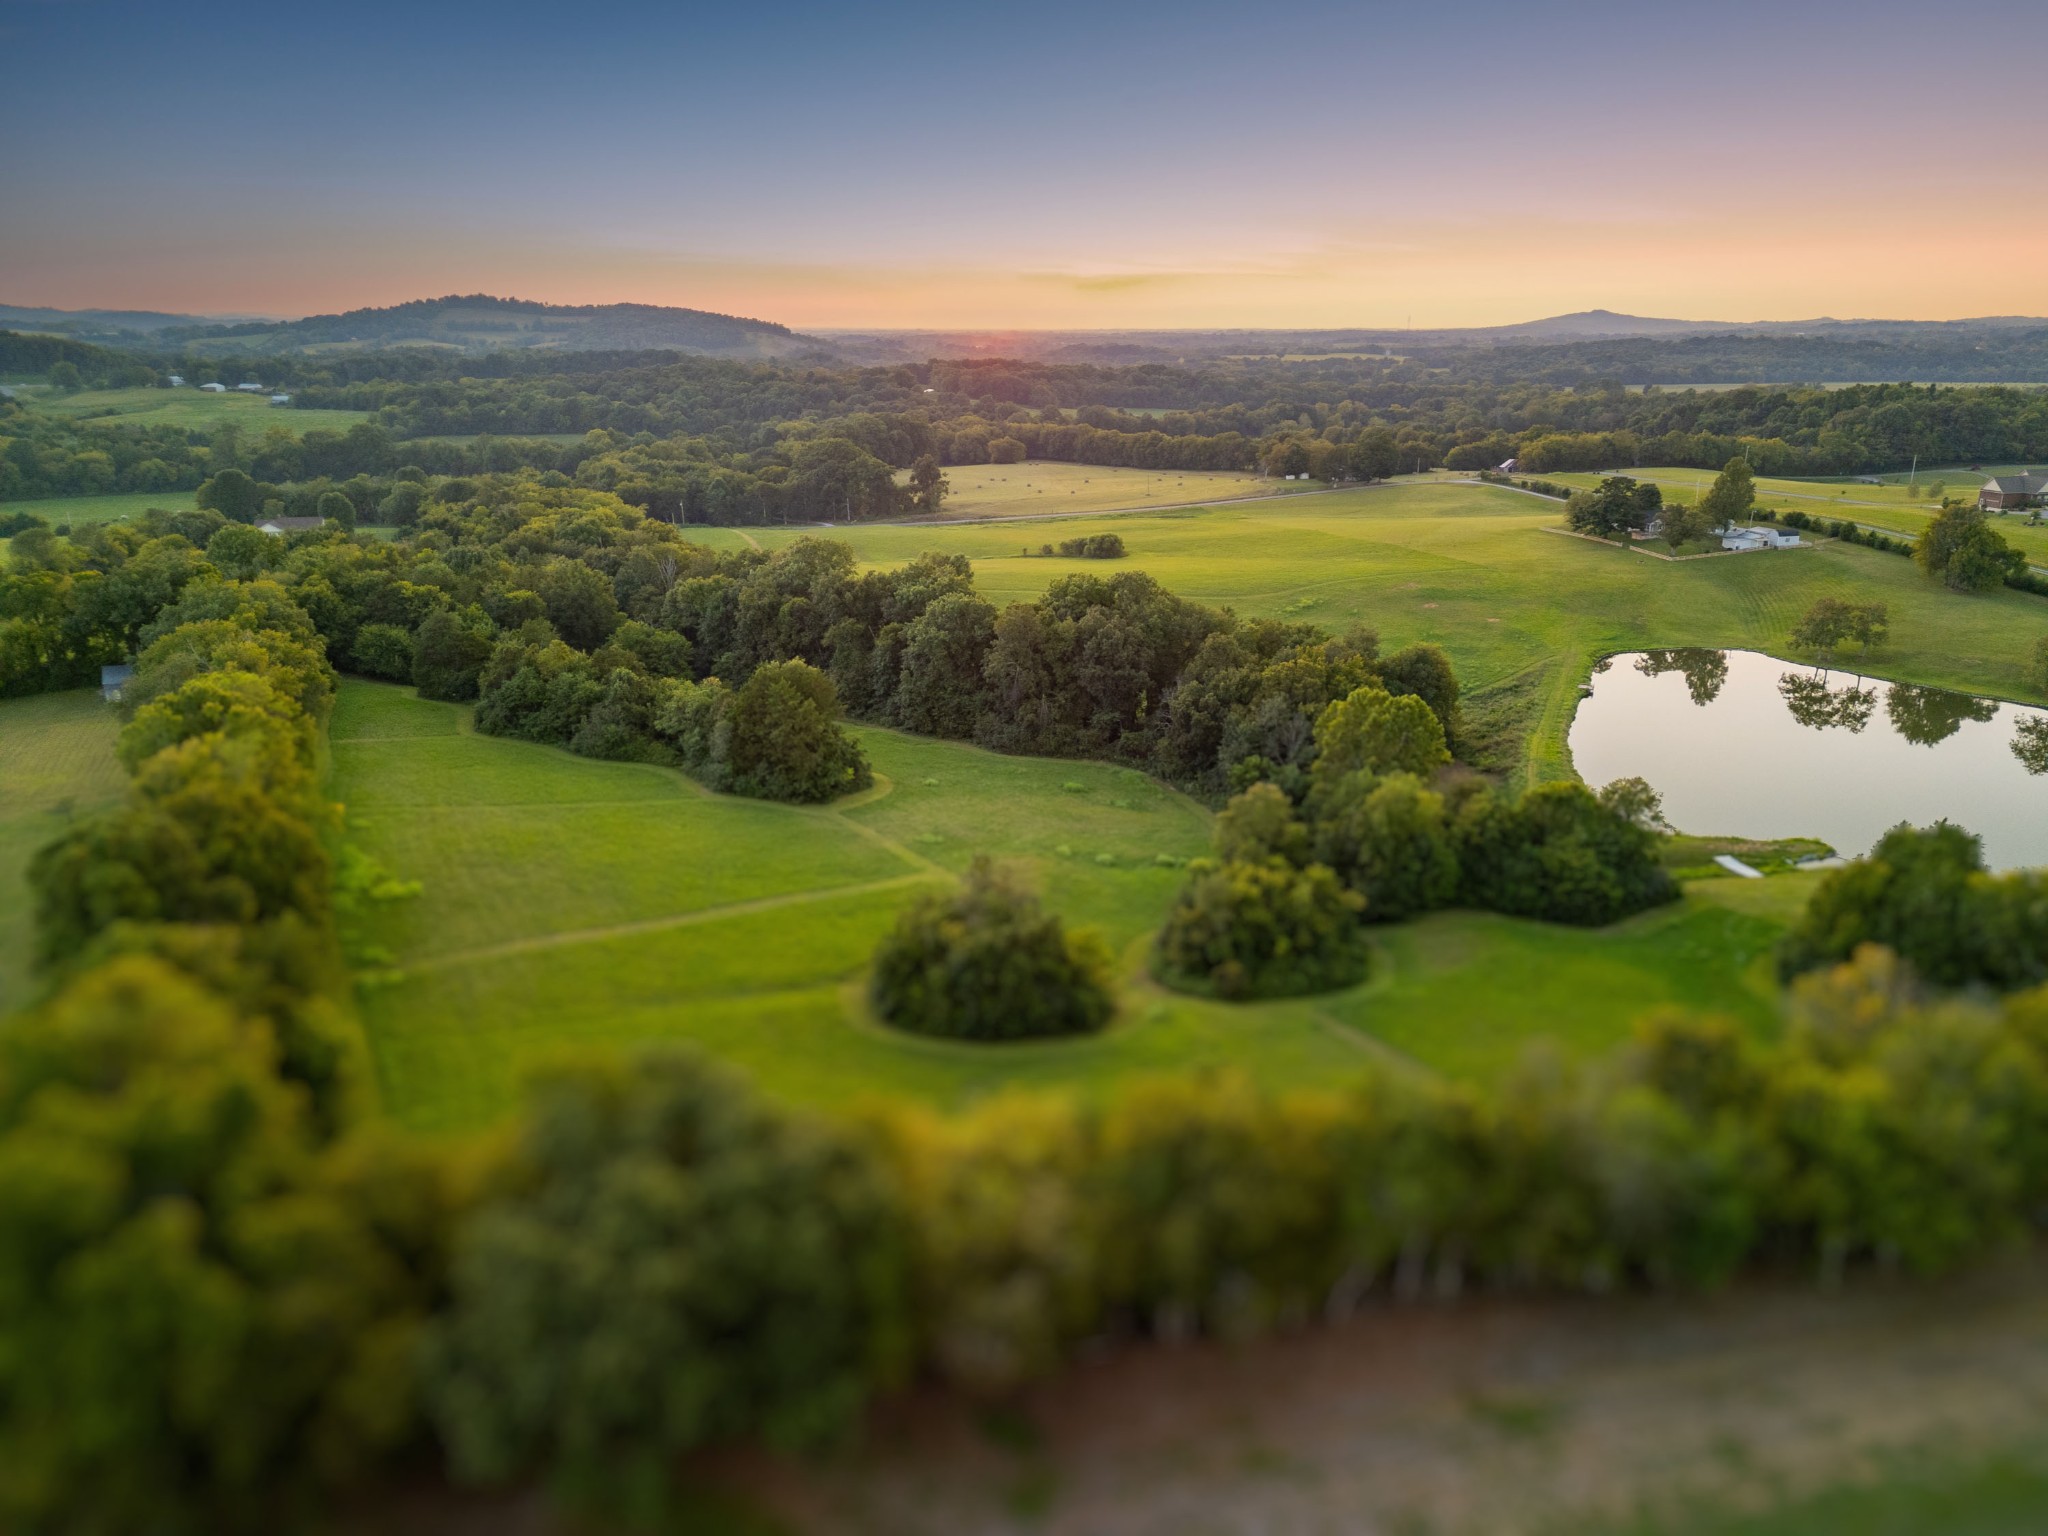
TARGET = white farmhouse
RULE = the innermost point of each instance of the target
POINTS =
(1760, 537)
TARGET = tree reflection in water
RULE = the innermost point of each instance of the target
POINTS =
(1819, 707)
(2030, 743)
(1705, 671)
(1925, 716)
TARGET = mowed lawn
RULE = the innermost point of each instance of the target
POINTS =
(1038, 487)
(56, 763)
(569, 903)
(188, 407)
(1521, 608)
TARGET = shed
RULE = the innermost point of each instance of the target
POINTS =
(215, 389)
(113, 679)
(280, 399)
(284, 525)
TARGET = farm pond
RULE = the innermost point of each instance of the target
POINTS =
(1741, 744)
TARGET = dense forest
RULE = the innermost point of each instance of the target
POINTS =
(704, 439)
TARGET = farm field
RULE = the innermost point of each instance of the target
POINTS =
(1888, 506)
(188, 408)
(78, 510)
(56, 760)
(1523, 611)
(1038, 487)
(572, 903)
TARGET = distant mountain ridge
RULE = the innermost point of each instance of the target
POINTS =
(482, 322)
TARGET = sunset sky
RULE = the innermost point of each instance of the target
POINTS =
(1282, 164)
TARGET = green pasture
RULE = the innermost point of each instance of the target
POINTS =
(79, 510)
(1040, 487)
(56, 762)
(1895, 506)
(1522, 609)
(188, 407)
(569, 903)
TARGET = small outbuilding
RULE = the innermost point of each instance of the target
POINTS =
(113, 679)
(1759, 537)
(250, 389)
(280, 526)
(215, 389)
(176, 381)
(280, 399)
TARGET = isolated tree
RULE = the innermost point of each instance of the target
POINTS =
(1005, 450)
(1615, 508)
(1961, 548)
(928, 487)
(1730, 498)
(986, 962)
(64, 375)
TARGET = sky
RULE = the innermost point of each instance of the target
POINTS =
(1049, 165)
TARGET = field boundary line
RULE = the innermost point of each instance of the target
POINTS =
(541, 941)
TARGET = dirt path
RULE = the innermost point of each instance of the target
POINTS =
(542, 941)
(1500, 1418)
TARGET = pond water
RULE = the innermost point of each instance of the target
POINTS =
(1744, 745)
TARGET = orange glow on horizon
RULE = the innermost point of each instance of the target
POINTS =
(1477, 272)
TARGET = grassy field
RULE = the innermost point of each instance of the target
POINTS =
(1522, 610)
(574, 903)
(1894, 505)
(78, 510)
(1039, 488)
(188, 407)
(56, 761)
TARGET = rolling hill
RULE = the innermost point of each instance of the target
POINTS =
(483, 323)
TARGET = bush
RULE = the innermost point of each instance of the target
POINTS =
(1557, 853)
(1005, 450)
(986, 963)
(1097, 546)
(784, 741)
(384, 650)
(1263, 930)
(1924, 893)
